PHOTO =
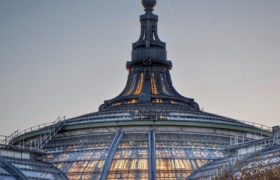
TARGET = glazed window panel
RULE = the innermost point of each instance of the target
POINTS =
(168, 153)
(36, 170)
(78, 156)
(131, 153)
(7, 177)
(166, 175)
(192, 138)
(129, 164)
(139, 85)
(198, 163)
(73, 147)
(133, 141)
(59, 165)
(37, 175)
(189, 153)
(99, 145)
(173, 143)
(183, 175)
(22, 166)
(80, 142)
(85, 156)
(90, 176)
(2, 171)
(129, 144)
(177, 164)
(96, 154)
(48, 157)
(128, 175)
(202, 162)
(173, 168)
(74, 176)
(66, 157)
(163, 81)
(182, 164)
(78, 167)
(63, 166)
(133, 82)
(91, 166)
(164, 164)
(190, 143)
(95, 166)
(153, 84)
(208, 154)
(87, 176)
(205, 172)
(136, 137)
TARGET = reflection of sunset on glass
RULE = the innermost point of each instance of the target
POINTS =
(59, 58)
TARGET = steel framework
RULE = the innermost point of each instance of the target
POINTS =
(149, 131)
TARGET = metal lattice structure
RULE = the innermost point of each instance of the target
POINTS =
(149, 131)
(23, 169)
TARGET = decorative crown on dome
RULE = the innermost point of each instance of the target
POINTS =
(149, 82)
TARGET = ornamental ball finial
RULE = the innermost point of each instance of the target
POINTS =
(149, 3)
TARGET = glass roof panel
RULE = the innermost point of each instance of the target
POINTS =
(7, 177)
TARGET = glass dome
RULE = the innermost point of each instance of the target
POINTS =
(149, 131)
(85, 156)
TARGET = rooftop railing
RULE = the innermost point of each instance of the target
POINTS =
(4, 140)
(205, 117)
(257, 125)
(8, 140)
(127, 116)
(40, 126)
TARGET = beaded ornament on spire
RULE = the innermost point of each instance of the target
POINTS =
(149, 4)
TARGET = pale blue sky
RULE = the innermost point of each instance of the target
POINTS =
(65, 57)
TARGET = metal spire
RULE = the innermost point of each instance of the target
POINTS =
(149, 82)
(149, 44)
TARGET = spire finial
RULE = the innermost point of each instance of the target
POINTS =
(149, 4)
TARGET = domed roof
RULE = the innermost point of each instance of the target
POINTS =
(149, 131)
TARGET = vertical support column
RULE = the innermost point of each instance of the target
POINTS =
(276, 134)
(152, 155)
(111, 153)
